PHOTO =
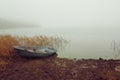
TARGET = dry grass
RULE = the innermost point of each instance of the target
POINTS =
(8, 41)
(2, 62)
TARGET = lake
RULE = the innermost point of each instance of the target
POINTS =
(84, 42)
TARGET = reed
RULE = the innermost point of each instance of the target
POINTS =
(8, 41)
(115, 46)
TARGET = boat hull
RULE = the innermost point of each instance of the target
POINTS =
(24, 53)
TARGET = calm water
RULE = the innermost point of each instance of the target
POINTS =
(93, 42)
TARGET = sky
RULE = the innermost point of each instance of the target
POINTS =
(62, 13)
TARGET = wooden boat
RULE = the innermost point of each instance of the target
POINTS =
(34, 52)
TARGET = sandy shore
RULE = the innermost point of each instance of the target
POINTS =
(54, 68)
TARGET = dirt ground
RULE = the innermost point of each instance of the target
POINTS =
(54, 68)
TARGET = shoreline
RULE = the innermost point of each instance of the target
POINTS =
(55, 68)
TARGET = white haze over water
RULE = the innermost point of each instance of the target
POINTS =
(89, 25)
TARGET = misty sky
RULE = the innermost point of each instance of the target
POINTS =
(63, 13)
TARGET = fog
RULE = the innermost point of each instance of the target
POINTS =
(63, 13)
(84, 23)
